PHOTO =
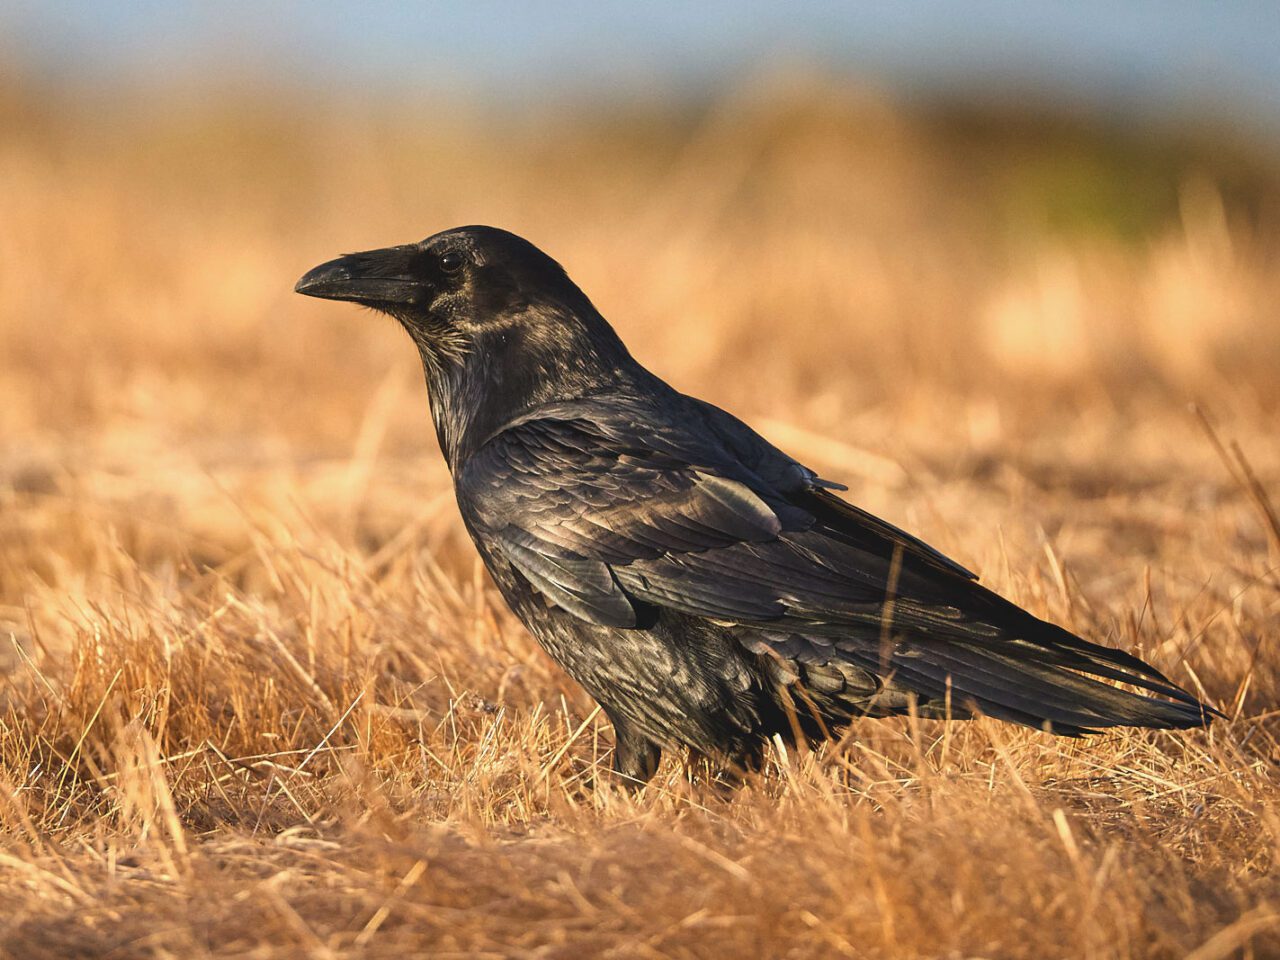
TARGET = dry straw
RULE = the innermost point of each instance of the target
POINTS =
(259, 700)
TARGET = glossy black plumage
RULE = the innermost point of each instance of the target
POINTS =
(708, 590)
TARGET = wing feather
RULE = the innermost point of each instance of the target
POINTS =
(601, 512)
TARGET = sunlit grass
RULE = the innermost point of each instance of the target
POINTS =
(259, 698)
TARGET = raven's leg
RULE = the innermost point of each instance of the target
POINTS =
(730, 770)
(635, 757)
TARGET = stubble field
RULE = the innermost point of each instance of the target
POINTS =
(257, 698)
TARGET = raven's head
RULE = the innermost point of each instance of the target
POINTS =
(499, 325)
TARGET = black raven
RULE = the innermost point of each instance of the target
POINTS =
(705, 588)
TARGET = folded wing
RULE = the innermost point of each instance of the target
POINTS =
(607, 515)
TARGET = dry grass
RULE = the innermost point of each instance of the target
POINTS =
(258, 699)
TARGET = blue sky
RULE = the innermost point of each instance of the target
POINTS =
(1158, 54)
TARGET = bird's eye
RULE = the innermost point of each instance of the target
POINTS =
(451, 261)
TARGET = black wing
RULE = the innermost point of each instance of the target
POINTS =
(606, 509)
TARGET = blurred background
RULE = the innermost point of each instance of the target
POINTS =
(1002, 243)
(1142, 56)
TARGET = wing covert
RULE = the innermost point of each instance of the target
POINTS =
(589, 518)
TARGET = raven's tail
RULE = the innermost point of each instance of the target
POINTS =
(1055, 681)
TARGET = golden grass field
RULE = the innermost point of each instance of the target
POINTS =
(260, 700)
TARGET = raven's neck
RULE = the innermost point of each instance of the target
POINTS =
(513, 369)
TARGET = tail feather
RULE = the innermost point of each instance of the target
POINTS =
(1041, 684)
(1059, 646)
(1059, 695)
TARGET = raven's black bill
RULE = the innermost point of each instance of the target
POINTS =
(375, 278)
